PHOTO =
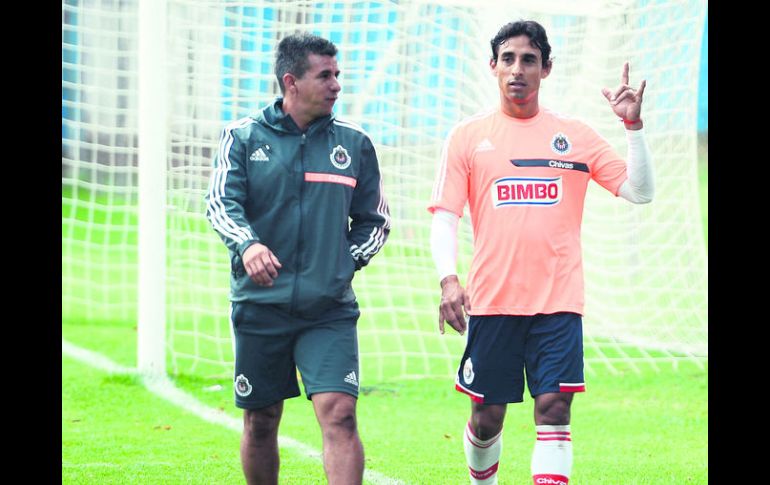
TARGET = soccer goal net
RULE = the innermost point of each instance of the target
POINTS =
(410, 70)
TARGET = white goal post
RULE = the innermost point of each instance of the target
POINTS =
(148, 85)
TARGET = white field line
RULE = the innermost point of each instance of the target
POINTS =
(115, 465)
(164, 388)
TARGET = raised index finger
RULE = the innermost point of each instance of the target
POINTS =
(624, 76)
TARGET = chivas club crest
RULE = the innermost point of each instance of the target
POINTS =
(242, 386)
(468, 373)
(560, 144)
(339, 157)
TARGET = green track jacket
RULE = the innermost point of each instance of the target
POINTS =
(315, 199)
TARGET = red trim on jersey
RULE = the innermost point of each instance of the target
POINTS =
(330, 178)
(484, 474)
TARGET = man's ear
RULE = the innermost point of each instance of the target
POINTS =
(492, 65)
(546, 70)
(289, 82)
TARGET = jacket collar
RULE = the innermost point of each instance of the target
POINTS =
(273, 116)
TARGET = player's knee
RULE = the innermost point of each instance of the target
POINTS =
(261, 423)
(487, 420)
(553, 409)
(339, 417)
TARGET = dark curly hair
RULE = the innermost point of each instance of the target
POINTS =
(531, 29)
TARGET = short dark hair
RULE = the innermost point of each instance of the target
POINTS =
(292, 52)
(530, 28)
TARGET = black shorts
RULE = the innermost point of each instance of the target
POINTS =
(271, 345)
(501, 348)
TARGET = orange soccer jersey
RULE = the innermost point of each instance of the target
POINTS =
(525, 182)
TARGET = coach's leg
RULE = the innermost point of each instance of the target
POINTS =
(259, 444)
(552, 456)
(343, 452)
(483, 442)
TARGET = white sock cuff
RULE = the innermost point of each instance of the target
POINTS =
(478, 442)
(548, 427)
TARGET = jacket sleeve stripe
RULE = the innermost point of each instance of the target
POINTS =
(379, 240)
(217, 214)
(383, 208)
(223, 223)
(377, 237)
(215, 206)
(357, 251)
(374, 248)
(224, 156)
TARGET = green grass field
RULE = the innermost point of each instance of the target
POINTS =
(647, 428)
(631, 429)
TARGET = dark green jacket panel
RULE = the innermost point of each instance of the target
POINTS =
(314, 198)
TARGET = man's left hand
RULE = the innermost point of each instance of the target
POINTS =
(626, 101)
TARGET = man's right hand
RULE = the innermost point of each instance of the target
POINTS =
(261, 264)
(453, 299)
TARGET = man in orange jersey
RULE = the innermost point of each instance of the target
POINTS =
(524, 170)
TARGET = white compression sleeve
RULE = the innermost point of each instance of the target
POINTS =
(443, 242)
(639, 187)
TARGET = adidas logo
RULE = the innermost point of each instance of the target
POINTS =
(485, 146)
(259, 156)
(351, 379)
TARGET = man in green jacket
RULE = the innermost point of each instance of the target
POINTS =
(296, 195)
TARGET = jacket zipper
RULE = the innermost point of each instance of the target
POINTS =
(299, 230)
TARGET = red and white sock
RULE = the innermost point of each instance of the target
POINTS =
(552, 457)
(483, 456)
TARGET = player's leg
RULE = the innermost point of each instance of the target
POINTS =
(483, 442)
(265, 375)
(554, 373)
(343, 452)
(326, 352)
(492, 373)
(486, 419)
(259, 444)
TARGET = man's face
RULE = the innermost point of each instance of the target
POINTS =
(317, 89)
(519, 69)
